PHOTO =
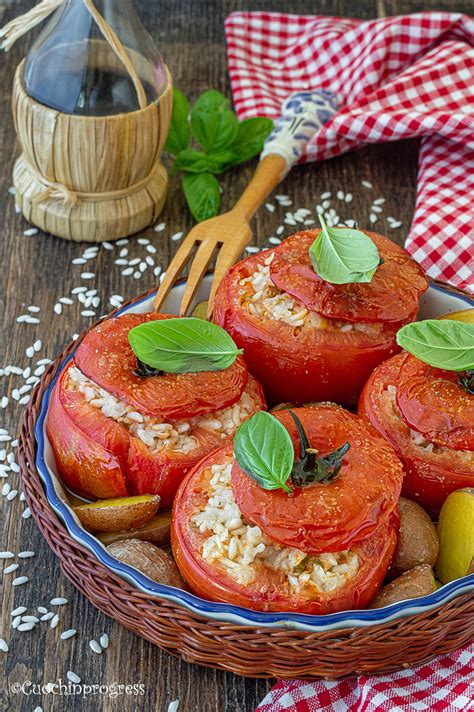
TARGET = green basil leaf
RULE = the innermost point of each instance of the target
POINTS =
(179, 132)
(445, 343)
(213, 122)
(191, 161)
(220, 161)
(251, 136)
(186, 345)
(202, 194)
(264, 451)
(342, 255)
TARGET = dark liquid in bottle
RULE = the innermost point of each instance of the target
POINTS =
(94, 92)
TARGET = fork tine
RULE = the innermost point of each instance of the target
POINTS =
(198, 269)
(176, 266)
(228, 254)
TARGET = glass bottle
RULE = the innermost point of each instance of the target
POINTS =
(72, 68)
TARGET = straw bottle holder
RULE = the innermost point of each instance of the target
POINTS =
(92, 111)
(90, 178)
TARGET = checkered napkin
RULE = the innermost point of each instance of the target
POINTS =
(444, 685)
(395, 78)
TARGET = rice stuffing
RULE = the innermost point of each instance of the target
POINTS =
(464, 457)
(159, 435)
(265, 301)
(242, 548)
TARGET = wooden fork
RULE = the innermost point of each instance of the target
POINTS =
(302, 115)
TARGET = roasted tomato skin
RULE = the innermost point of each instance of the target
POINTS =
(83, 463)
(106, 357)
(336, 515)
(429, 476)
(391, 296)
(305, 364)
(270, 591)
(99, 458)
(434, 403)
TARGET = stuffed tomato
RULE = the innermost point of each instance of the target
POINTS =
(428, 417)
(306, 339)
(115, 432)
(321, 548)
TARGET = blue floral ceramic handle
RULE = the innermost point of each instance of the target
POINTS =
(302, 115)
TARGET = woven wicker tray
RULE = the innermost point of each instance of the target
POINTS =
(246, 650)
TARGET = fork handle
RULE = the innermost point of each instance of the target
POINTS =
(302, 115)
(270, 171)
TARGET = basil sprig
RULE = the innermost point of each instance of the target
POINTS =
(264, 451)
(343, 255)
(208, 140)
(445, 343)
(186, 345)
(312, 468)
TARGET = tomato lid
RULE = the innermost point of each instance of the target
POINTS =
(334, 516)
(435, 404)
(106, 357)
(392, 296)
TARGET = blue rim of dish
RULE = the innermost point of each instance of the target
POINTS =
(225, 611)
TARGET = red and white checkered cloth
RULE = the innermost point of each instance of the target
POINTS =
(444, 685)
(395, 78)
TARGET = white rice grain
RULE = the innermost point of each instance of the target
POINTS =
(20, 581)
(59, 601)
(95, 647)
(68, 634)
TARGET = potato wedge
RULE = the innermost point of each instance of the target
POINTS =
(417, 539)
(157, 531)
(122, 513)
(200, 311)
(149, 559)
(412, 584)
(456, 536)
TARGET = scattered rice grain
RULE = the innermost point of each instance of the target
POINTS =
(23, 627)
(68, 634)
(95, 647)
(10, 569)
(20, 580)
(59, 601)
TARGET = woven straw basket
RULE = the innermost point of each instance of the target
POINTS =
(244, 650)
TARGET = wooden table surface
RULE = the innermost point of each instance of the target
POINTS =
(38, 270)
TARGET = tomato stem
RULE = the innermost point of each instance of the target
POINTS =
(311, 468)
